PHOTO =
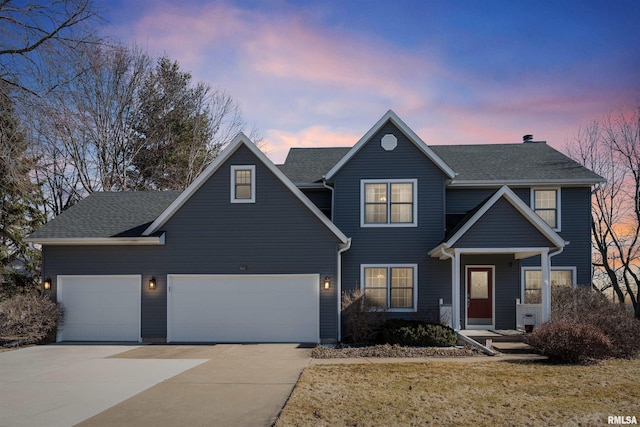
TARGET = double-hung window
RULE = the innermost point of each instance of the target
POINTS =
(391, 286)
(243, 184)
(532, 286)
(389, 203)
(546, 203)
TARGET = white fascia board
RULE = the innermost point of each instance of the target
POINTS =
(523, 183)
(417, 141)
(240, 140)
(522, 207)
(102, 241)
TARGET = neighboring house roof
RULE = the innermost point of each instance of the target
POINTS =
(392, 117)
(508, 194)
(527, 163)
(309, 165)
(240, 140)
(115, 217)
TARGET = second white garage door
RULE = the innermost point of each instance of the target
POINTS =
(243, 308)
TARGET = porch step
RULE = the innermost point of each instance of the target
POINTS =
(503, 341)
(495, 335)
(512, 348)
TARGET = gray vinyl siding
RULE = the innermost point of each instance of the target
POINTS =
(394, 245)
(209, 235)
(464, 200)
(575, 224)
(321, 197)
(502, 226)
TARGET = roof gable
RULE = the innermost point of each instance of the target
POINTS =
(390, 116)
(504, 193)
(240, 141)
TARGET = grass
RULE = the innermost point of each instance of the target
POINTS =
(467, 393)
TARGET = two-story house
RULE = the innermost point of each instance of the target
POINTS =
(254, 252)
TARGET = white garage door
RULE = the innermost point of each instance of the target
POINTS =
(246, 308)
(100, 308)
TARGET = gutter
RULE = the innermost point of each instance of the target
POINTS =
(342, 249)
(101, 241)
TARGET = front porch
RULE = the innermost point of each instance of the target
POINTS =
(487, 289)
(526, 314)
(486, 250)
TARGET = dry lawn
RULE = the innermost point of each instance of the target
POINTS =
(454, 393)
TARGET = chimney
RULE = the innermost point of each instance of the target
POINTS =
(528, 139)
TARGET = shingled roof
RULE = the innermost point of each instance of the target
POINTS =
(102, 215)
(480, 163)
(511, 163)
(308, 165)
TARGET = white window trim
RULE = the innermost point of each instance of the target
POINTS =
(558, 204)
(363, 182)
(574, 275)
(234, 168)
(415, 285)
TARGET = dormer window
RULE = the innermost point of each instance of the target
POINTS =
(243, 184)
(389, 203)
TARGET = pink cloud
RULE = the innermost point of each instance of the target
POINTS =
(303, 84)
(277, 142)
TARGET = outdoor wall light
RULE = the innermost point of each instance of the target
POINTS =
(152, 283)
(47, 283)
(327, 282)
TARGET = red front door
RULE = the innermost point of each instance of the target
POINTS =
(480, 295)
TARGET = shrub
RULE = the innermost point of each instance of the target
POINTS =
(361, 319)
(28, 318)
(417, 333)
(584, 305)
(570, 342)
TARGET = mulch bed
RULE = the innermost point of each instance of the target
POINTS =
(387, 350)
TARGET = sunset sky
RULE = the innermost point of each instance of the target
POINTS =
(321, 73)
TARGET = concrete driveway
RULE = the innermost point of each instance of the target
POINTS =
(155, 385)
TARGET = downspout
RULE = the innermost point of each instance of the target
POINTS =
(547, 287)
(325, 185)
(344, 248)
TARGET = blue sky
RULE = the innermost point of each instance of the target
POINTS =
(321, 73)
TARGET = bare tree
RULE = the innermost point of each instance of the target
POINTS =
(123, 124)
(611, 148)
(86, 141)
(33, 34)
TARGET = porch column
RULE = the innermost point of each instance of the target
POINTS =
(455, 291)
(545, 260)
